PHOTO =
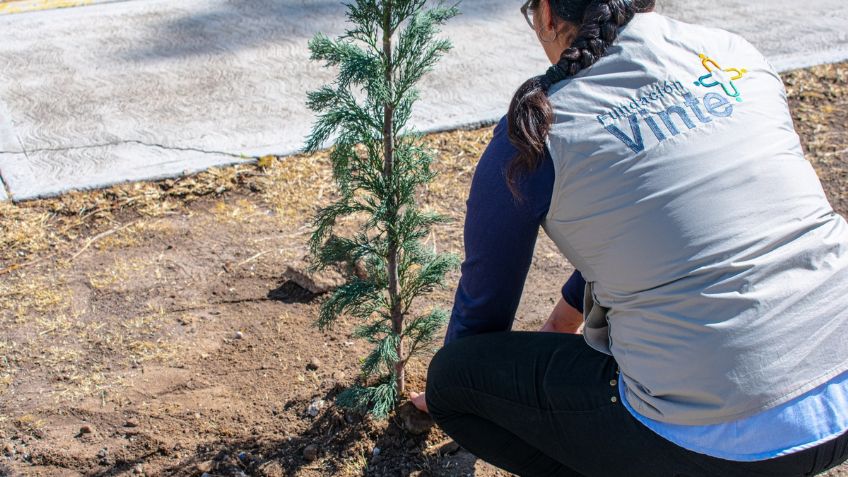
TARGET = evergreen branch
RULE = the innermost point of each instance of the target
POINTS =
(341, 249)
(416, 45)
(422, 330)
(375, 267)
(325, 219)
(370, 331)
(356, 65)
(381, 397)
(355, 398)
(384, 396)
(364, 15)
(384, 354)
(414, 225)
(431, 274)
(357, 297)
(339, 109)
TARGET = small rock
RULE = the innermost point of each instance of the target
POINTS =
(313, 364)
(315, 407)
(87, 429)
(138, 469)
(131, 423)
(272, 469)
(310, 452)
(103, 453)
(206, 466)
(9, 448)
(185, 320)
(375, 451)
(339, 376)
(239, 335)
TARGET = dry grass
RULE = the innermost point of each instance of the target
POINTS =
(119, 275)
(44, 333)
(292, 187)
(819, 101)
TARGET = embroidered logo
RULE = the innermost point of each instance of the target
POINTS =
(718, 76)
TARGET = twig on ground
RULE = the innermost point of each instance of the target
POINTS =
(100, 236)
(439, 444)
(254, 257)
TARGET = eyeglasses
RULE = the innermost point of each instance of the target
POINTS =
(525, 9)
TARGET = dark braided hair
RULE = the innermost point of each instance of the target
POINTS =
(530, 114)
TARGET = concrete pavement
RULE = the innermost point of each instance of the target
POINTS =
(146, 89)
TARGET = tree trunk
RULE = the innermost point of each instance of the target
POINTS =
(388, 166)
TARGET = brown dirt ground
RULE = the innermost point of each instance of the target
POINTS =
(121, 308)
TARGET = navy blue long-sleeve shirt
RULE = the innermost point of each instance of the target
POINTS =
(500, 235)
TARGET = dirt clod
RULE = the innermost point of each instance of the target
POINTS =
(313, 364)
(310, 452)
(414, 421)
(86, 429)
(318, 282)
(206, 466)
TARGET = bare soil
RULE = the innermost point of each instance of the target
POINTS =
(156, 329)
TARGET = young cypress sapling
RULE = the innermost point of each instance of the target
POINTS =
(378, 165)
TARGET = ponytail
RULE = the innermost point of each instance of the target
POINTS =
(530, 113)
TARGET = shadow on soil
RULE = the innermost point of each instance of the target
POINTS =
(336, 443)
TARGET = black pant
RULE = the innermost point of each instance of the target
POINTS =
(546, 404)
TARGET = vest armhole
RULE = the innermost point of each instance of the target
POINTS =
(555, 189)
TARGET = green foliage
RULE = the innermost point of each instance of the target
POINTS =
(379, 164)
(378, 399)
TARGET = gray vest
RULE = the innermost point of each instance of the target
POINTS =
(718, 266)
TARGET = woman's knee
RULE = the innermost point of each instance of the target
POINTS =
(442, 373)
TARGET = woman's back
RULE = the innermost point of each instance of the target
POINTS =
(683, 195)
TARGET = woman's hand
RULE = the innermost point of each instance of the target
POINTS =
(564, 319)
(418, 400)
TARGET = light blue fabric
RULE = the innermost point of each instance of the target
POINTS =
(804, 422)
